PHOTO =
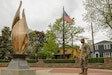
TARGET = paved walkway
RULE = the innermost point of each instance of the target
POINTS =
(68, 71)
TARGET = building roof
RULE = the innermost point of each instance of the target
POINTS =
(103, 42)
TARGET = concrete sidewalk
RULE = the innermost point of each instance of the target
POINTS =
(70, 71)
(67, 71)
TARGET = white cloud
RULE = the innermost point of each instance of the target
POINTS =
(40, 13)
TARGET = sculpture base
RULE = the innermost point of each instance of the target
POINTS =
(18, 72)
(18, 66)
(18, 62)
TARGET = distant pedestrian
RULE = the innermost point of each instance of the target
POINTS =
(84, 57)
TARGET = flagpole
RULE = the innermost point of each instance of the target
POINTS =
(63, 36)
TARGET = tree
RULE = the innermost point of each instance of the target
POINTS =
(99, 12)
(36, 41)
(50, 46)
(5, 42)
(70, 31)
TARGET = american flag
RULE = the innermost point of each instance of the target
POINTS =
(67, 18)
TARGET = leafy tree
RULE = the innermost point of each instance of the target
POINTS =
(50, 47)
(40, 39)
(70, 31)
(36, 41)
(54, 36)
(5, 42)
(32, 40)
(42, 54)
(99, 12)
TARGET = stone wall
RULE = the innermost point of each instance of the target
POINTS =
(106, 65)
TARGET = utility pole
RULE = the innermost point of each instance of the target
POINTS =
(63, 36)
(92, 37)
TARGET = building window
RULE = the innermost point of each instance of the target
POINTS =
(107, 54)
(107, 46)
(96, 47)
(103, 54)
(104, 46)
(111, 54)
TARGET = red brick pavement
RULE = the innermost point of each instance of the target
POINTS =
(77, 70)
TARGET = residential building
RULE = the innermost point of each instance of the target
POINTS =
(69, 53)
(102, 49)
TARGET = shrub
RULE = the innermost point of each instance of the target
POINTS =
(4, 60)
(28, 60)
(58, 61)
(31, 60)
(96, 60)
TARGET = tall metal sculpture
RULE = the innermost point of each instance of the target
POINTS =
(18, 65)
(19, 33)
(20, 41)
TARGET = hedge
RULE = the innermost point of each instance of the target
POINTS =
(4, 60)
(96, 60)
(32, 60)
(58, 61)
(28, 60)
(90, 60)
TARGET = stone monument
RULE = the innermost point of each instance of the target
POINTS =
(19, 36)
